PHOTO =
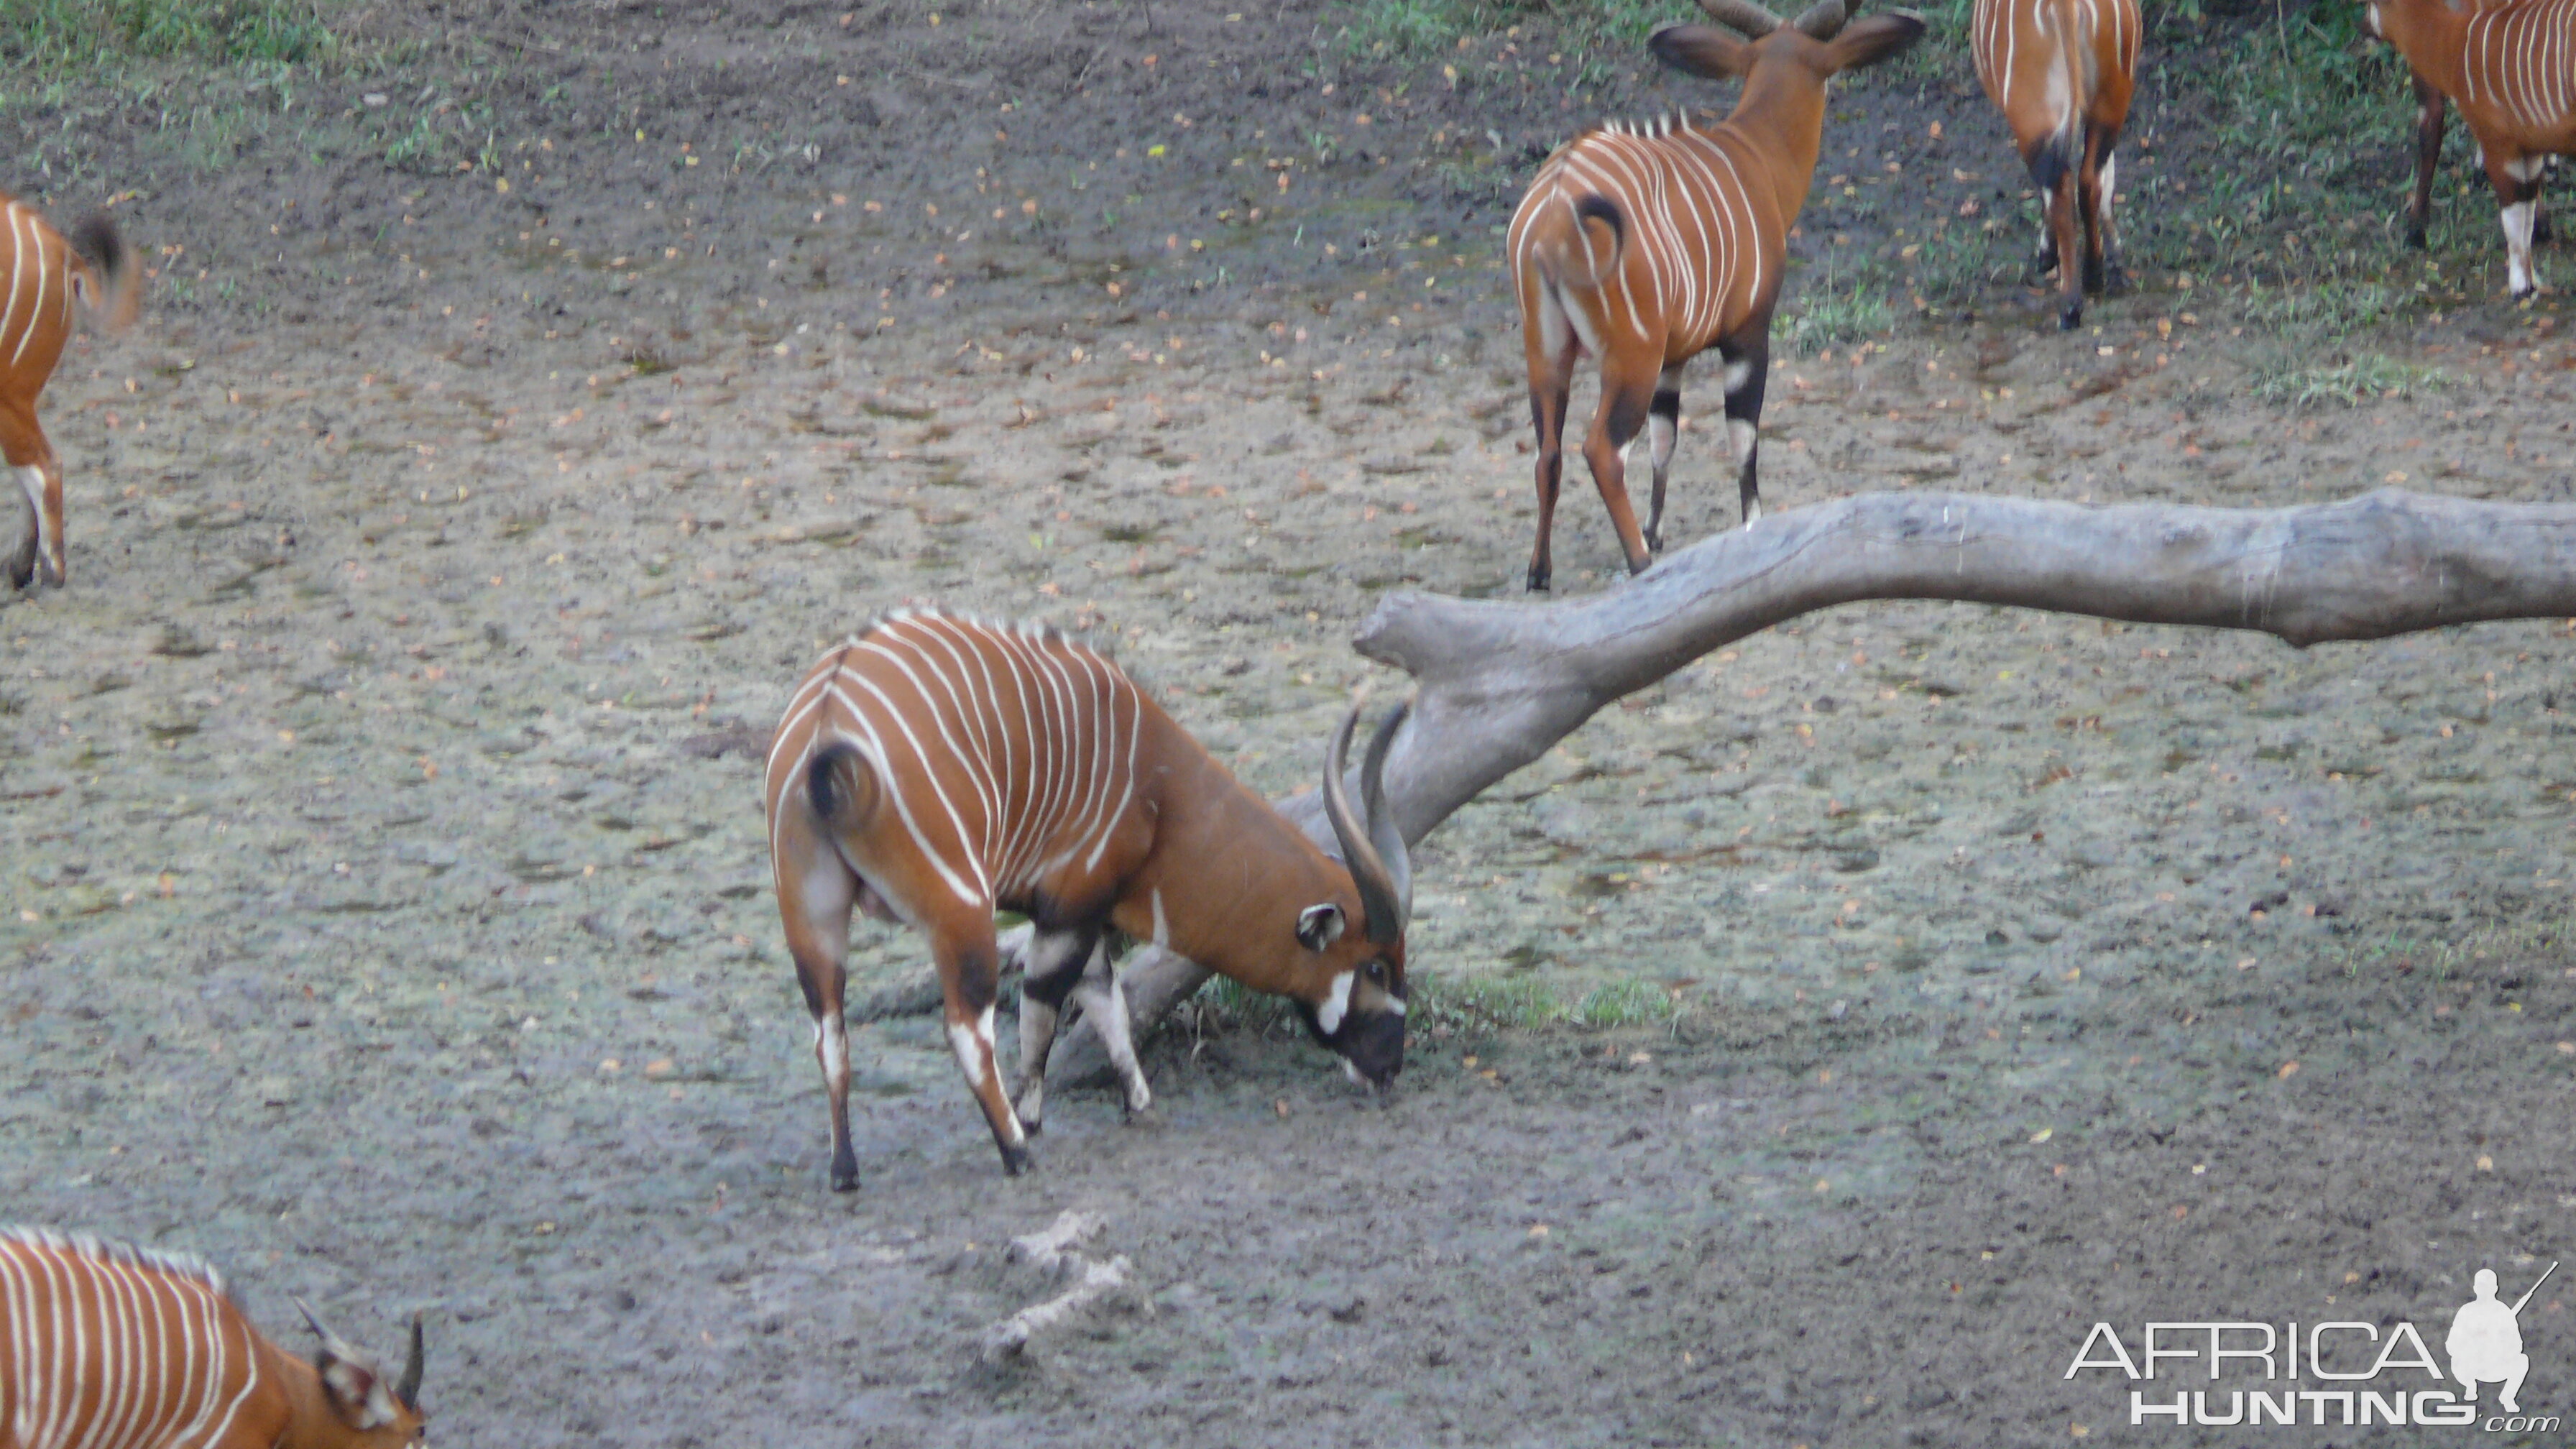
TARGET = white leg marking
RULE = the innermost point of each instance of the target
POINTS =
(1336, 1005)
(1106, 1004)
(2517, 245)
(1737, 375)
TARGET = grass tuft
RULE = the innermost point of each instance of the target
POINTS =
(54, 36)
(2366, 377)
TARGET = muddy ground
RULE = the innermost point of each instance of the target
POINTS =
(1808, 1051)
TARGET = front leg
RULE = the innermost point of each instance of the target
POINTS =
(1052, 967)
(2516, 180)
(1748, 371)
(1104, 1004)
(2428, 159)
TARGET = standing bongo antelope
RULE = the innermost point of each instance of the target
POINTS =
(104, 1346)
(1646, 245)
(2061, 72)
(2511, 69)
(934, 769)
(44, 273)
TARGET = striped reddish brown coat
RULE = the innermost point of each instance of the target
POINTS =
(935, 769)
(2510, 66)
(2062, 71)
(1647, 245)
(41, 273)
(104, 1346)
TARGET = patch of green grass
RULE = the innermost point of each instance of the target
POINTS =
(1623, 1003)
(2370, 375)
(53, 36)
(1828, 315)
(1482, 1003)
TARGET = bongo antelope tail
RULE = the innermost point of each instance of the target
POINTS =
(2511, 69)
(104, 1346)
(41, 273)
(1646, 245)
(935, 768)
(2062, 71)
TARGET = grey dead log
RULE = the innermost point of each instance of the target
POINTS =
(1500, 683)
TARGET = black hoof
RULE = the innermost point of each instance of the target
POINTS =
(1016, 1160)
(2115, 281)
(1033, 1127)
(2415, 239)
(845, 1176)
(1638, 566)
(2070, 317)
(1538, 580)
(1654, 541)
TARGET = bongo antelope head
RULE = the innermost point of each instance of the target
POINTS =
(365, 1409)
(1355, 1001)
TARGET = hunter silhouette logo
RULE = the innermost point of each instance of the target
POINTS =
(2485, 1343)
(2344, 1373)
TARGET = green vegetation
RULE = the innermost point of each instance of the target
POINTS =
(2368, 376)
(1826, 312)
(55, 36)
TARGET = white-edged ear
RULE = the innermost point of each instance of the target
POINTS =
(356, 1391)
(1318, 927)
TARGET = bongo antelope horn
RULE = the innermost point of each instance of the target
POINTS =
(1744, 16)
(1822, 20)
(407, 1388)
(1380, 867)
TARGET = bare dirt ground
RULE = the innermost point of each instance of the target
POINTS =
(385, 908)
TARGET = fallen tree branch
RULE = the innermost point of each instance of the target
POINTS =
(1501, 683)
(1050, 1253)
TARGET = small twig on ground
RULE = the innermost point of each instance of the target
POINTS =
(1050, 1252)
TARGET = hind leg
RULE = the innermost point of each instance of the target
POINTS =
(815, 894)
(23, 446)
(1627, 393)
(1548, 340)
(1052, 970)
(2112, 278)
(1663, 430)
(2063, 219)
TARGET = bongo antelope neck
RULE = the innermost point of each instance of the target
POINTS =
(103, 1346)
(937, 768)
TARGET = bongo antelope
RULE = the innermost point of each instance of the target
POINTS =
(936, 768)
(2061, 72)
(1646, 245)
(2511, 69)
(44, 272)
(104, 1346)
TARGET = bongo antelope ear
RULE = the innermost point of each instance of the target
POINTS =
(357, 1394)
(1869, 41)
(1701, 50)
(1318, 927)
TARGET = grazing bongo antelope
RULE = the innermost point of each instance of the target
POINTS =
(934, 769)
(44, 273)
(2511, 69)
(104, 1346)
(1646, 245)
(2061, 72)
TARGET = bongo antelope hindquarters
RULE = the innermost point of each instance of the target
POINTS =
(41, 273)
(935, 769)
(2510, 67)
(2062, 71)
(104, 1346)
(1646, 245)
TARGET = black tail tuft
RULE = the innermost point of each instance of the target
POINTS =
(822, 788)
(96, 242)
(1605, 209)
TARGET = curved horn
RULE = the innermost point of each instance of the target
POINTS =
(313, 1321)
(1743, 15)
(407, 1388)
(1822, 20)
(1380, 897)
(1383, 832)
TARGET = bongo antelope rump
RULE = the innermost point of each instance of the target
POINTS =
(2062, 71)
(2510, 67)
(1646, 245)
(935, 768)
(44, 273)
(104, 1346)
